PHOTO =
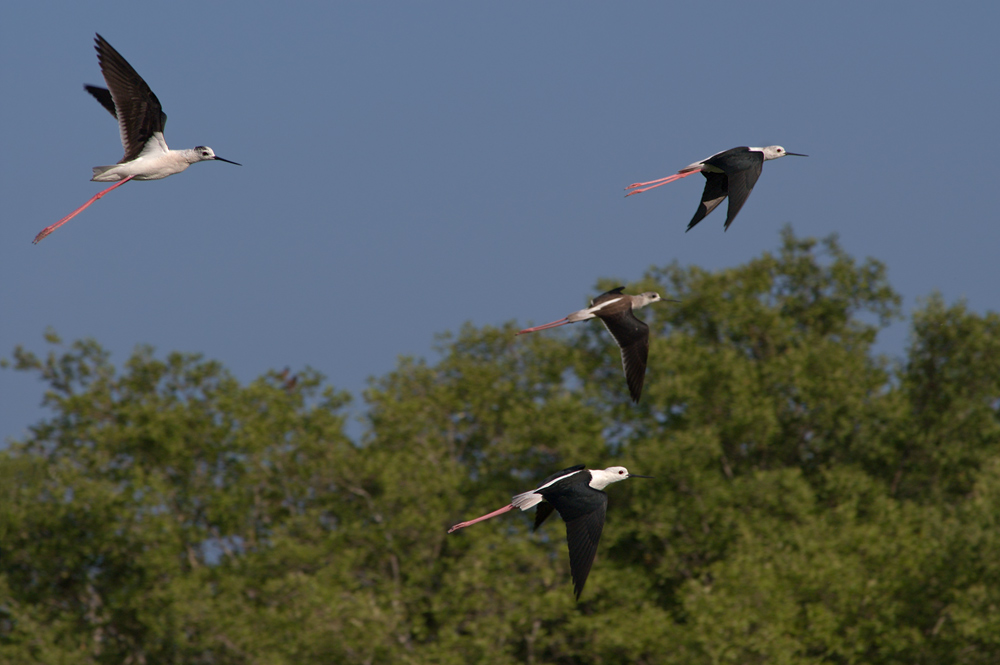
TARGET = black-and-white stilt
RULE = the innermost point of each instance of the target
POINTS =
(140, 122)
(615, 310)
(576, 493)
(731, 173)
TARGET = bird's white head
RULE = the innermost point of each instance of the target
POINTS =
(776, 151)
(646, 298)
(203, 153)
(599, 479)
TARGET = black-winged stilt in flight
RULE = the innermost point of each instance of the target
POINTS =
(614, 309)
(576, 493)
(140, 122)
(731, 173)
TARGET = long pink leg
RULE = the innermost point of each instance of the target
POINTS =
(658, 183)
(462, 525)
(49, 229)
(554, 324)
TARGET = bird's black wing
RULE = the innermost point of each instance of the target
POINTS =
(741, 183)
(632, 336)
(716, 190)
(103, 95)
(138, 110)
(542, 513)
(634, 358)
(583, 533)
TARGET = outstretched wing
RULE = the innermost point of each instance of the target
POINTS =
(103, 95)
(716, 190)
(542, 513)
(741, 183)
(583, 533)
(632, 336)
(138, 110)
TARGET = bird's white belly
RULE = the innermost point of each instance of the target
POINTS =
(143, 168)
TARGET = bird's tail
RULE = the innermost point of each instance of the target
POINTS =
(101, 170)
(526, 500)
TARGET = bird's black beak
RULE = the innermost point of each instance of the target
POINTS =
(795, 154)
(238, 164)
(635, 475)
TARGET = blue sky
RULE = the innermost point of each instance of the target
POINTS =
(408, 167)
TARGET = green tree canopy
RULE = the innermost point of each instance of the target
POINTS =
(812, 503)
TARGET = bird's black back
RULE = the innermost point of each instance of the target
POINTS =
(564, 472)
(545, 509)
(607, 295)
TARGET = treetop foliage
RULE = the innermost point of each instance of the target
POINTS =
(813, 502)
